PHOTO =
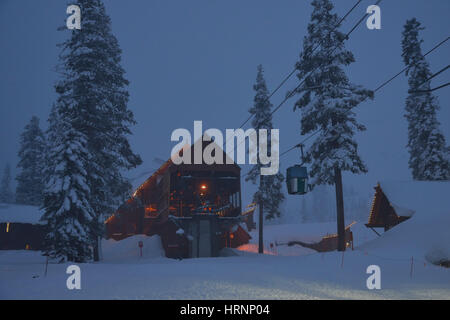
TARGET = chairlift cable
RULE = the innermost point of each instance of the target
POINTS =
(379, 88)
(313, 50)
(431, 90)
(291, 93)
(431, 77)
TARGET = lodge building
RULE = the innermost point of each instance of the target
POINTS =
(196, 209)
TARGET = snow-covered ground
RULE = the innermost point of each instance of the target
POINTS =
(316, 276)
(298, 274)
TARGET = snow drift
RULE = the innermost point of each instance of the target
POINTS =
(128, 249)
(426, 235)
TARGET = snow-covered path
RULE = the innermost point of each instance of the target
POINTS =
(314, 276)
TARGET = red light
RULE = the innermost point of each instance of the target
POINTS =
(203, 187)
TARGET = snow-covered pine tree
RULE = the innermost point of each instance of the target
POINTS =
(327, 98)
(6, 194)
(53, 134)
(93, 81)
(426, 144)
(69, 216)
(30, 181)
(270, 186)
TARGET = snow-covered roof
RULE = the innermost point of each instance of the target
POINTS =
(20, 213)
(410, 197)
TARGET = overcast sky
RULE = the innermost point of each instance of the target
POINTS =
(196, 60)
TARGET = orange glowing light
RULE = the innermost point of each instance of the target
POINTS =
(203, 187)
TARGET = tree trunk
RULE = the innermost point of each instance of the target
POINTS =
(261, 224)
(261, 221)
(96, 250)
(339, 209)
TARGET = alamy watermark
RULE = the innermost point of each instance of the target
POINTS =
(374, 20)
(74, 280)
(258, 145)
(374, 280)
(74, 20)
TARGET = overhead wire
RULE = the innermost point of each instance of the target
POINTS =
(376, 90)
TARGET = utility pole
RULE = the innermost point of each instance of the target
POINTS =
(339, 208)
(261, 221)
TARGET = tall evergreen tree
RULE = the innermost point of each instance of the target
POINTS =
(93, 87)
(95, 82)
(30, 181)
(327, 97)
(6, 194)
(270, 186)
(70, 217)
(429, 159)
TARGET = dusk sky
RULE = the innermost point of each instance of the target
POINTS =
(196, 60)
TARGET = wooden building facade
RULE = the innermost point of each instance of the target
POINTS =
(20, 228)
(195, 208)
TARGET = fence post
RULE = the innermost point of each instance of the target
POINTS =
(46, 266)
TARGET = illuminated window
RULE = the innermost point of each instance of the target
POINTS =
(7, 227)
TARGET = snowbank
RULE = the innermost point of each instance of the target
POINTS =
(20, 213)
(128, 249)
(306, 232)
(421, 237)
(426, 235)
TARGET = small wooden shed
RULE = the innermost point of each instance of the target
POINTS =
(384, 213)
(20, 227)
